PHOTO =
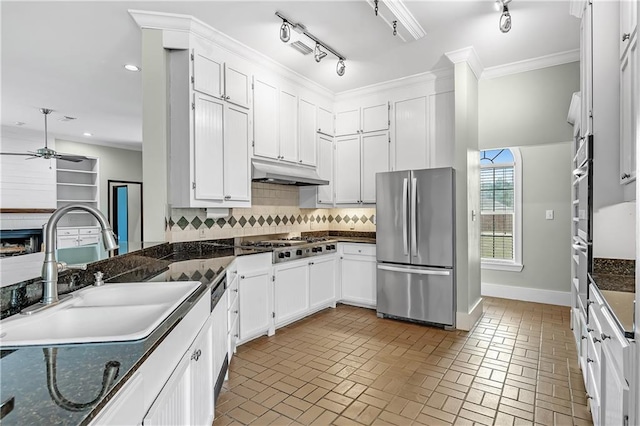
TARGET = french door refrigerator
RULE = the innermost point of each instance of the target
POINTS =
(415, 245)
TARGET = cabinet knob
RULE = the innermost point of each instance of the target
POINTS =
(196, 355)
(235, 289)
(227, 197)
(319, 129)
(583, 337)
(625, 176)
(588, 396)
(299, 161)
(589, 330)
(625, 36)
(589, 360)
(589, 303)
(235, 312)
(242, 277)
(604, 336)
(236, 336)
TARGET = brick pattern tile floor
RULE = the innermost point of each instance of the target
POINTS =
(345, 366)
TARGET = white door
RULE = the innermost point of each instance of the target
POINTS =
(254, 304)
(237, 85)
(207, 74)
(348, 122)
(307, 127)
(375, 159)
(288, 126)
(219, 332)
(410, 134)
(325, 169)
(208, 148)
(359, 280)
(628, 110)
(347, 181)
(202, 376)
(291, 295)
(614, 394)
(265, 118)
(322, 282)
(325, 121)
(237, 175)
(375, 118)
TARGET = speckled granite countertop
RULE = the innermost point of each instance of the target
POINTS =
(615, 278)
(345, 236)
(76, 397)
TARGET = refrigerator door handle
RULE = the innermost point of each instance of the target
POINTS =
(413, 271)
(414, 202)
(405, 196)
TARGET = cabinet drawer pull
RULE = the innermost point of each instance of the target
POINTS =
(589, 360)
(235, 289)
(583, 337)
(596, 340)
(604, 336)
(625, 176)
(588, 396)
(242, 277)
(235, 312)
(625, 36)
(196, 355)
(236, 335)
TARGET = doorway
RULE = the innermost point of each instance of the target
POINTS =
(125, 211)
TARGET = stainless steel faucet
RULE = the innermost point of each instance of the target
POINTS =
(51, 266)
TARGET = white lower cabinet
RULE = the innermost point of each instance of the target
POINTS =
(187, 397)
(358, 274)
(322, 282)
(291, 291)
(232, 309)
(255, 298)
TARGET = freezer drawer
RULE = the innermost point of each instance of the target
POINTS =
(421, 294)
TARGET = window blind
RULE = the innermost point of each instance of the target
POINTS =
(497, 212)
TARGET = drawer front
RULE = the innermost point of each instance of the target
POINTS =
(233, 312)
(90, 239)
(612, 337)
(593, 390)
(64, 232)
(89, 231)
(359, 249)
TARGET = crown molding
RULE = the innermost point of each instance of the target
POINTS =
(468, 55)
(425, 77)
(532, 64)
(189, 24)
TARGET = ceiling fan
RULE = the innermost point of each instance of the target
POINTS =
(46, 152)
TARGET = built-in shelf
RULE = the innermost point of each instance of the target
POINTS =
(77, 183)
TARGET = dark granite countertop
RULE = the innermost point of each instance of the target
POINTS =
(345, 236)
(615, 278)
(72, 394)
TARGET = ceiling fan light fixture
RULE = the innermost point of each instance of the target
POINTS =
(505, 20)
(285, 31)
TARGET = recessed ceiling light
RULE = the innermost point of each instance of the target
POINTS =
(87, 134)
(130, 67)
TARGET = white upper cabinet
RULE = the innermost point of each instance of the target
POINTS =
(325, 122)
(629, 81)
(348, 122)
(370, 118)
(223, 80)
(208, 74)
(208, 144)
(410, 134)
(325, 169)
(237, 83)
(265, 118)
(288, 126)
(358, 159)
(307, 135)
(441, 129)
(285, 123)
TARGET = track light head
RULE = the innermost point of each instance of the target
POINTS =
(505, 20)
(285, 32)
(340, 67)
(319, 54)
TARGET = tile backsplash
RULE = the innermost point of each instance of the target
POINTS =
(275, 210)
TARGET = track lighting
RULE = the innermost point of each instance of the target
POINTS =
(302, 45)
(319, 54)
(285, 32)
(340, 67)
(505, 17)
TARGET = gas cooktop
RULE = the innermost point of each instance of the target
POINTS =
(296, 248)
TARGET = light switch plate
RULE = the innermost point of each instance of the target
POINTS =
(549, 215)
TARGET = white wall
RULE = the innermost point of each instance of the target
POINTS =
(115, 164)
(613, 231)
(529, 110)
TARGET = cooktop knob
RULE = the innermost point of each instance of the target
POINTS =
(281, 255)
(287, 254)
(298, 252)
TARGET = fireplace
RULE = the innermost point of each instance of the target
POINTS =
(16, 242)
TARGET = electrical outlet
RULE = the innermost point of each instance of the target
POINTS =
(201, 233)
(549, 215)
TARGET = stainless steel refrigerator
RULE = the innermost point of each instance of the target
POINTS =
(415, 245)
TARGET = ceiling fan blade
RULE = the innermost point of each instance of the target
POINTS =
(71, 157)
(16, 153)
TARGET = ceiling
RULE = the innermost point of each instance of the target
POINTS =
(69, 56)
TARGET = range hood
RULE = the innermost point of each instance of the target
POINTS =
(285, 174)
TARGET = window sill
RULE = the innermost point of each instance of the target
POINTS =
(499, 266)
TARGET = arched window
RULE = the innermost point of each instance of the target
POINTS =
(501, 209)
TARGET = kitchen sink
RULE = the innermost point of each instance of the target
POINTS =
(109, 313)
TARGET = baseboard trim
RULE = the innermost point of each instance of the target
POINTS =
(466, 321)
(527, 294)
